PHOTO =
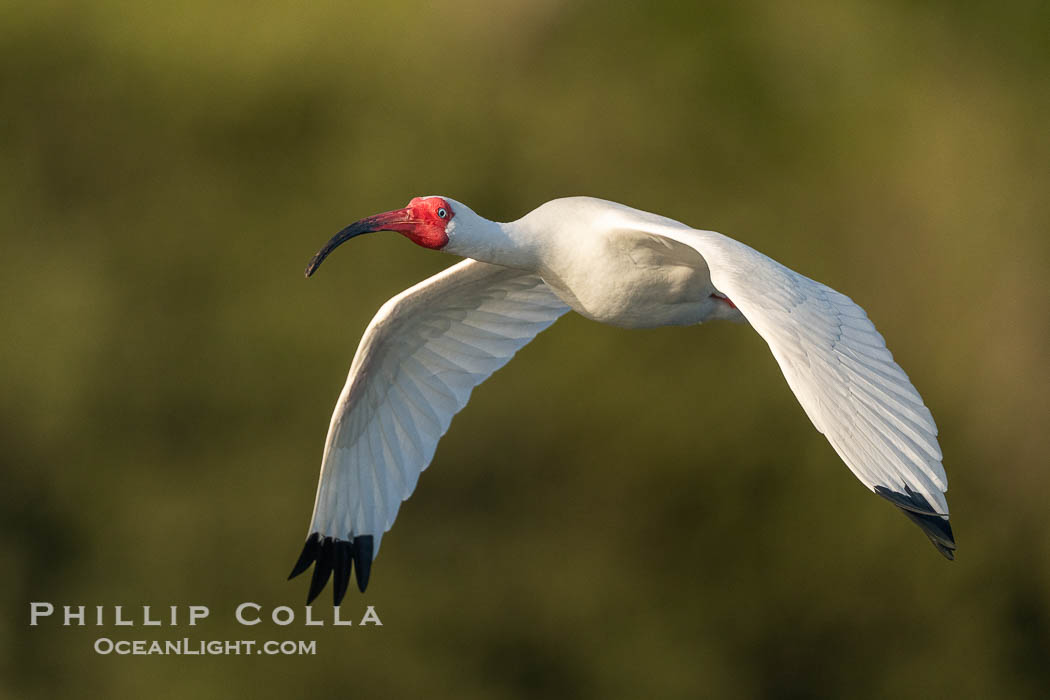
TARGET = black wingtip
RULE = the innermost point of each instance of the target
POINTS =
(344, 560)
(308, 556)
(362, 560)
(331, 555)
(322, 569)
(919, 510)
(938, 529)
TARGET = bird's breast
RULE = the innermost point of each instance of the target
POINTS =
(636, 281)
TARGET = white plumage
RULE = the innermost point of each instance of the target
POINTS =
(419, 360)
(428, 347)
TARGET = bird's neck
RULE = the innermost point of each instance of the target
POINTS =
(506, 244)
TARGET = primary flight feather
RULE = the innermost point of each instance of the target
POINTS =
(429, 346)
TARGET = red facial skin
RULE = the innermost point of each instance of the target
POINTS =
(421, 221)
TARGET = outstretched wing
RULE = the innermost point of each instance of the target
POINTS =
(418, 361)
(840, 370)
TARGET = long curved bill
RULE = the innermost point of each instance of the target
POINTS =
(379, 222)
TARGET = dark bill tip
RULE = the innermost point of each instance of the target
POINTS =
(355, 229)
(380, 222)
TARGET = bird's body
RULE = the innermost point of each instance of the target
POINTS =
(428, 347)
(606, 269)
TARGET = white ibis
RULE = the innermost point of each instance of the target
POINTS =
(429, 346)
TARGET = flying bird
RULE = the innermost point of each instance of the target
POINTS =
(429, 346)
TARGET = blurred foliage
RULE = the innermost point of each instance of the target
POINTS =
(617, 513)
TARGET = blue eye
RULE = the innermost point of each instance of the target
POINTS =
(443, 213)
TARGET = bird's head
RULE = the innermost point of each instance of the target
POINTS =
(426, 221)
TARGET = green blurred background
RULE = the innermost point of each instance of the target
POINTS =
(616, 513)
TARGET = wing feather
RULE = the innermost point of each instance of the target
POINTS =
(417, 364)
(838, 366)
